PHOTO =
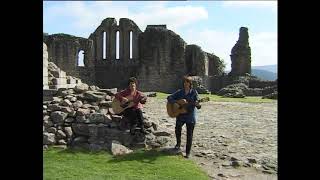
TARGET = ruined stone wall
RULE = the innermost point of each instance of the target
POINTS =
(216, 65)
(110, 27)
(115, 74)
(160, 57)
(241, 54)
(197, 62)
(63, 50)
(45, 67)
(162, 60)
(253, 83)
(110, 71)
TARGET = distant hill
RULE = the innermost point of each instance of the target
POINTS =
(268, 72)
(265, 75)
(271, 68)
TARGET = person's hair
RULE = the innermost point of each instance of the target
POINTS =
(132, 79)
(188, 79)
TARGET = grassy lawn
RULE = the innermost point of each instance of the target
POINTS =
(249, 99)
(141, 165)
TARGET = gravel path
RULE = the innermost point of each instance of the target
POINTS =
(232, 140)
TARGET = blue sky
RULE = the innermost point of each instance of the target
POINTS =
(213, 25)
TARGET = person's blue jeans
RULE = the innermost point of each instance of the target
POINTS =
(190, 128)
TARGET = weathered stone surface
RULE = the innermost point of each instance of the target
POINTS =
(80, 129)
(61, 142)
(97, 118)
(105, 104)
(82, 112)
(94, 96)
(48, 138)
(65, 92)
(81, 88)
(233, 90)
(54, 107)
(241, 54)
(47, 123)
(81, 119)
(58, 116)
(60, 134)
(77, 104)
(66, 102)
(118, 149)
(161, 133)
(162, 140)
(68, 131)
(56, 100)
(69, 120)
(273, 95)
(110, 92)
(103, 111)
(79, 140)
(52, 130)
(73, 99)
(49, 92)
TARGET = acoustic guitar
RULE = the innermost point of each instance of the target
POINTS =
(179, 107)
(118, 107)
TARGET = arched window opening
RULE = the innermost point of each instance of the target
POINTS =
(104, 49)
(117, 44)
(131, 45)
(81, 58)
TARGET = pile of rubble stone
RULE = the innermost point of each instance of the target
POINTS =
(82, 117)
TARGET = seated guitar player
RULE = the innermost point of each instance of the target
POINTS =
(134, 113)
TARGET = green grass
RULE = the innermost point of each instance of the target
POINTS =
(216, 98)
(141, 165)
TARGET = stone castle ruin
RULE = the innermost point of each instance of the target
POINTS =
(77, 98)
(158, 57)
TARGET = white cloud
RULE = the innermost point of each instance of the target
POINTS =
(252, 4)
(87, 17)
(173, 17)
(263, 45)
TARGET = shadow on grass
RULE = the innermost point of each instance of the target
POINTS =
(145, 156)
(141, 155)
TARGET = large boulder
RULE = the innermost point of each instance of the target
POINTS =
(94, 96)
(118, 149)
(81, 88)
(58, 117)
(273, 95)
(233, 90)
(97, 118)
(48, 138)
(80, 129)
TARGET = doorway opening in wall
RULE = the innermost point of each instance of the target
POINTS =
(117, 44)
(81, 58)
(104, 49)
(130, 35)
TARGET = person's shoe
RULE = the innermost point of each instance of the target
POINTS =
(187, 156)
(177, 147)
(132, 129)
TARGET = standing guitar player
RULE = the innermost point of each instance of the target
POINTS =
(190, 96)
(134, 113)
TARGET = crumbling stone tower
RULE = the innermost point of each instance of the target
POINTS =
(241, 54)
